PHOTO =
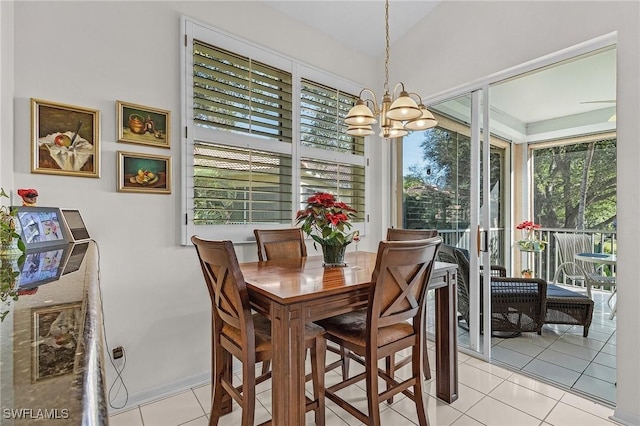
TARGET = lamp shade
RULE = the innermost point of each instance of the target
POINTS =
(360, 130)
(360, 115)
(396, 130)
(404, 108)
(424, 122)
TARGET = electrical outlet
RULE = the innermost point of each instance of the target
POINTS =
(118, 352)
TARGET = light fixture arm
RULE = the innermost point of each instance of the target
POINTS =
(376, 108)
(397, 115)
(386, 56)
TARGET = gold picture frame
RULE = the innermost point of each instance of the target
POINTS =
(143, 125)
(65, 139)
(145, 173)
(55, 340)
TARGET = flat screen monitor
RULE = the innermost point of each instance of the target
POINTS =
(75, 257)
(42, 266)
(42, 227)
(75, 225)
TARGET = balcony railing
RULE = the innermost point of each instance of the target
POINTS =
(543, 264)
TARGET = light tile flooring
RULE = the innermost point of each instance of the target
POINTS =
(562, 357)
(488, 395)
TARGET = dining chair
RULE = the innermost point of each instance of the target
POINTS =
(397, 234)
(238, 332)
(280, 243)
(394, 320)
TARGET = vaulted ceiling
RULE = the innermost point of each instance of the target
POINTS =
(561, 95)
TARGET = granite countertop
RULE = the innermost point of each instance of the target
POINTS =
(51, 351)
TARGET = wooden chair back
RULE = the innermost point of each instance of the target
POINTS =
(227, 289)
(395, 234)
(399, 284)
(280, 243)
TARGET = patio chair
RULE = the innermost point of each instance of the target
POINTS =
(517, 304)
(567, 245)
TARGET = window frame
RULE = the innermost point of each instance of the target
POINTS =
(243, 233)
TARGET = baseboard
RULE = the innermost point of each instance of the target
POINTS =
(625, 418)
(164, 391)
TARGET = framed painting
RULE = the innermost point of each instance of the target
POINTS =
(56, 332)
(143, 125)
(144, 173)
(65, 139)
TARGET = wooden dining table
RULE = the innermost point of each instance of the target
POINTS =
(292, 292)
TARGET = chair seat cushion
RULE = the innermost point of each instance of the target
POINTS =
(352, 327)
(556, 291)
(262, 331)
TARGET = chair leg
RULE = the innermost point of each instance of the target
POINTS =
(318, 359)
(248, 393)
(390, 363)
(425, 361)
(217, 391)
(418, 394)
(266, 366)
(373, 400)
(344, 354)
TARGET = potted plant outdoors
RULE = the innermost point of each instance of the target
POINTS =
(527, 273)
(327, 222)
(530, 241)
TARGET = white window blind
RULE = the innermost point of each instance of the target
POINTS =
(322, 113)
(235, 93)
(345, 181)
(263, 132)
(235, 186)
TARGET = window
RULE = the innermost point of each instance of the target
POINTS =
(237, 94)
(263, 132)
(574, 183)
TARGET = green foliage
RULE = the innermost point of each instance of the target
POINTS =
(575, 185)
(326, 220)
(8, 224)
(8, 274)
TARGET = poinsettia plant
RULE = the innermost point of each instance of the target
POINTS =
(528, 229)
(327, 220)
(530, 242)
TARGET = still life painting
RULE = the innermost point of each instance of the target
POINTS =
(65, 139)
(143, 125)
(56, 331)
(144, 173)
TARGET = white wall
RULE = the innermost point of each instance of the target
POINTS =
(92, 54)
(469, 41)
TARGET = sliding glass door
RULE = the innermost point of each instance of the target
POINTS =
(441, 189)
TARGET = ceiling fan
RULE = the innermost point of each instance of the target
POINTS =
(605, 101)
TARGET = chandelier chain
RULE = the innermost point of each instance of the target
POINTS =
(386, 60)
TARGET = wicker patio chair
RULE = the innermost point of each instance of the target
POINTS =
(517, 304)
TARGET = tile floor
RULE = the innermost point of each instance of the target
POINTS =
(489, 395)
(551, 372)
(562, 357)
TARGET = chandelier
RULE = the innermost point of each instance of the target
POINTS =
(397, 116)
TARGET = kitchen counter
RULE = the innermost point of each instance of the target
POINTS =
(51, 341)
